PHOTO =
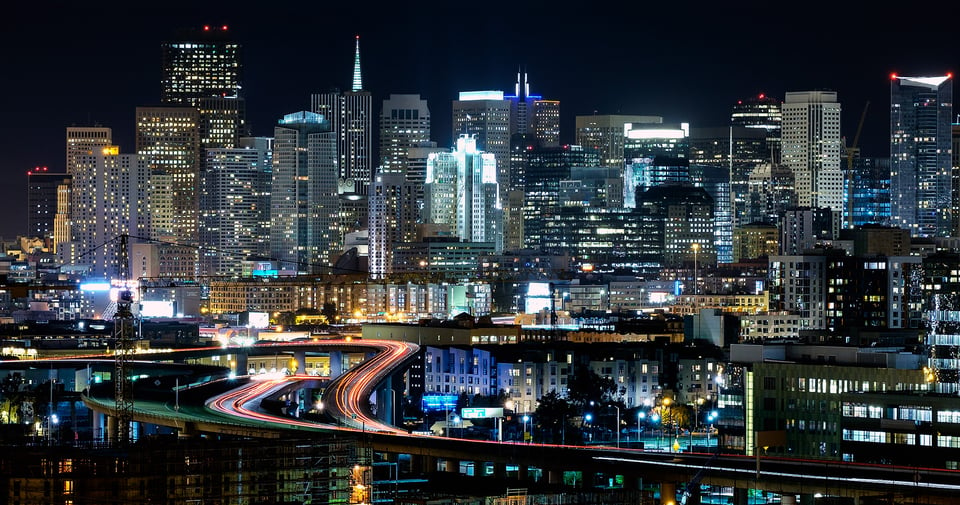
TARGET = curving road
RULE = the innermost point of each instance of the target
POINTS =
(346, 398)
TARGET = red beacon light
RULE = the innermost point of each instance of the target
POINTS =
(893, 76)
(206, 28)
(224, 28)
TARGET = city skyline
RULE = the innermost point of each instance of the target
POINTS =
(619, 59)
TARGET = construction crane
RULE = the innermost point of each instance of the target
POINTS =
(123, 333)
(851, 152)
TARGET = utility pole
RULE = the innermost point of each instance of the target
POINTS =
(123, 334)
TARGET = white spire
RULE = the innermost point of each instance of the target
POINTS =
(357, 81)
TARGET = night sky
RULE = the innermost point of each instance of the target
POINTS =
(72, 63)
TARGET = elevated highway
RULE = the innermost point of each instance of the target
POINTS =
(237, 411)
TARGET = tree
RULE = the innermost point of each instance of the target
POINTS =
(14, 395)
(330, 312)
(552, 417)
(587, 386)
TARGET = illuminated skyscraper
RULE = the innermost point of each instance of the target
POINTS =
(350, 115)
(112, 203)
(235, 206)
(736, 149)
(532, 115)
(655, 155)
(85, 140)
(304, 211)
(393, 219)
(200, 64)
(404, 123)
(461, 193)
(485, 115)
(762, 113)
(921, 172)
(812, 147)
(606, 134)
(43, 188)
(168, 140)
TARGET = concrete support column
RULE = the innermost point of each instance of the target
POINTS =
(243, 366)
(554, 477)
(693, 493)
(188, 430)
(99, 422)
(788, 499)
(451, 466)
(499, 471)
(522, 472)
(740, 495)
(668, 493)
(336, 364)
(301, 358)
(111, 428)
(424, 464)
(809, 499)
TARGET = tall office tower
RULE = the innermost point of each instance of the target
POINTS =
(222, 122)
(547, 168)
(716, 180)
(606, 134)
(955, 128)
(532, 115)
(870, 192)
(461, 193)
(685, 213)
(168, 139)
(417, 159)
(812, 147)
(921, 171)
(61, 220)
(108, 201)
(201, 68)
(771, 191)
(485, 115)
(200, 64)
(85, 140)
(304, 205)
(234, 205)
(762, 113)
(404, 123)
(43, 188)
(393, 220)
(644, 173)
(350, 115)
(739, 150)
(654, 154)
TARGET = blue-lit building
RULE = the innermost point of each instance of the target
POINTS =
(870, 193)
(716, 181)
(462, 193)
(921, 196)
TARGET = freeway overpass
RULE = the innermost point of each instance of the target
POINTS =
(236, 411)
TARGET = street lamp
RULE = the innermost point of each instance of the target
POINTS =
(618, 424)
(640, 417)
(655, 418)
(696, 249)
(526, 419)
(589, 419)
